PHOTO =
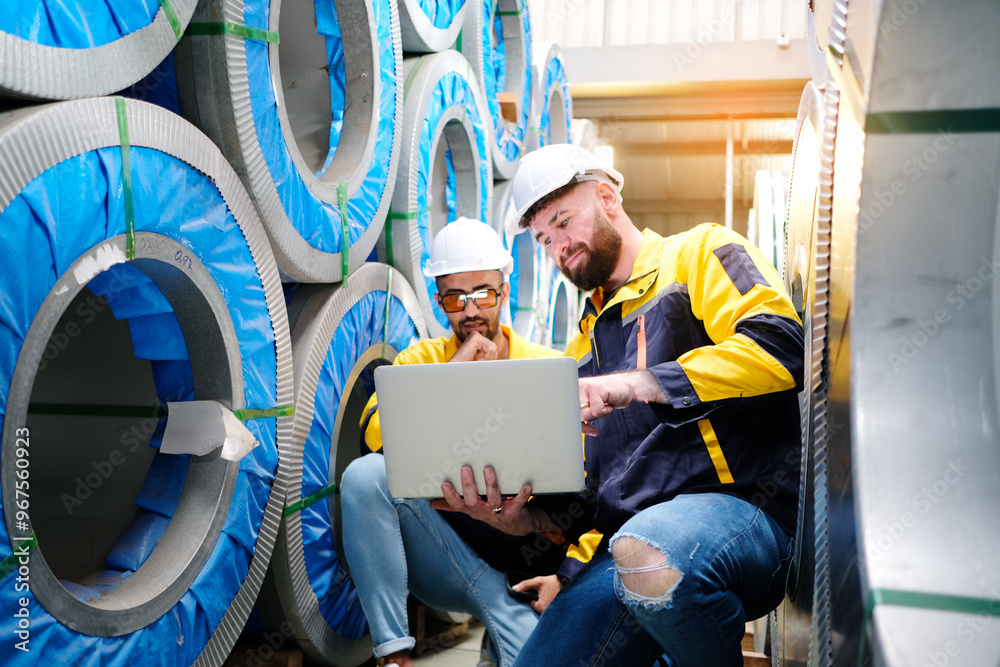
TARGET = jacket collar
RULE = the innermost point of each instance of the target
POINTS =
(644, 272)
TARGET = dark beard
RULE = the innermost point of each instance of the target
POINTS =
(602, 256)
(491, 331)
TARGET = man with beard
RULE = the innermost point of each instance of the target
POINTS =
(449, 561)
(690, 356)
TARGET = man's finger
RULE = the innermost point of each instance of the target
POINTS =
(493, 497)
(452, 501)
(469, 490)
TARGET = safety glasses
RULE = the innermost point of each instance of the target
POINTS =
(454, 302)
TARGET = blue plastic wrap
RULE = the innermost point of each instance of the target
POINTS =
(75, 24)
(509, 138)
(555, 75)
(450, 187)
(328, 25)
(360, 328)
(452, 89)
(62, 213)
(441, 13)
(317, 222)
(159, 87)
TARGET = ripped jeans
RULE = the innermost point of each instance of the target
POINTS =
(691, 571)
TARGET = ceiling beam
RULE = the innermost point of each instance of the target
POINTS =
(710, 207)
(698, 148)
(755, 79)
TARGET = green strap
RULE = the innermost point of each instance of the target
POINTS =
(139, 411)
(412, 215)
(389, 259)
(250, 413)
(311, 498)
(171, 14)
(458, 43)
(935, 601)
(345, 228)
(126, 178)
(235, 29)
(957, 121)
(518, 12)
(413, 71)
(388, 296)
(86, 410)
(24, 548)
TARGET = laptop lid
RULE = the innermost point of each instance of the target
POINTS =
(521, 416)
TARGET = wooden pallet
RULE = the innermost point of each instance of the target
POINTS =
(751, 658)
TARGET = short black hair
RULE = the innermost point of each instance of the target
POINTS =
(534, 209)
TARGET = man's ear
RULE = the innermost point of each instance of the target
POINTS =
(608, 197)
(504, 292)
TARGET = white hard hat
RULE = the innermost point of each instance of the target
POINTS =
(550, 167)
(467, 245)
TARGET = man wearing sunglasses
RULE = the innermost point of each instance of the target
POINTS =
(690, 356)
(448, 560)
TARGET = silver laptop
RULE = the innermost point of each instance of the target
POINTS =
(520, 416)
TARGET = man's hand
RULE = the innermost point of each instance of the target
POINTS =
(514, 517)
(602, 394)
(548, 587)
(476, 347)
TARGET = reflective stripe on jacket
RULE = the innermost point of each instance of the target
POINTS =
(709, 317)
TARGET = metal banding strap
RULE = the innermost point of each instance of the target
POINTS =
(413, 71)
(388, 296)
(517, 12)
(345, 228)
(24, 548)
(251, 413)
(962, 121)
(412, 215)
(311, 498)
(915, 600)
(387, 228)
(140, 411)
(126, 178)
(85, 410)
(234, 29)
(171, 14)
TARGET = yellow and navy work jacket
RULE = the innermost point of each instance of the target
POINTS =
(708, 316)
(534, 554)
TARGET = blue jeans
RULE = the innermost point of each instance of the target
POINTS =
(733, 560)
(393, 545)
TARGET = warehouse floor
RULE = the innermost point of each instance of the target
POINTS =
(465, 653)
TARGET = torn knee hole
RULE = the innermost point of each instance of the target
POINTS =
(644, 569)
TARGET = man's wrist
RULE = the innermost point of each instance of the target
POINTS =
(646, 389)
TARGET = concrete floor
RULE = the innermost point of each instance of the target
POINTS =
(465, 653)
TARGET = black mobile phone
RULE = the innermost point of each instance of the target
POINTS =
(513, 577)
